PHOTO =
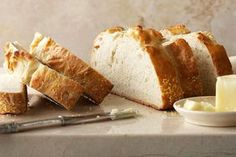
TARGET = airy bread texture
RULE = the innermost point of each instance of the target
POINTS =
(211, 57)
(31, 72)
(62, 60)
(136, 63)
(13, 95)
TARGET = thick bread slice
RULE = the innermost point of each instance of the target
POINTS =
(138, 66)
(62, 60)
(185, 63)
(13, 95)
(31, 72)
(218, 54)
(211, 57)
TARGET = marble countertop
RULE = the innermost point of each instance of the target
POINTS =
(154, 133)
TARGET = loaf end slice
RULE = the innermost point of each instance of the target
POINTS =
(13, 95)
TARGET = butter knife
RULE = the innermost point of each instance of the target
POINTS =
(115, 114)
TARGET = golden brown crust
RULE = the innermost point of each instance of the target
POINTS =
(18, 55)
(187, 68)
(178, 29)
(62, 60)
(13, 103)
(61, 89)
(218, 55)
(169, 84)
(146, 36)
(115, 29)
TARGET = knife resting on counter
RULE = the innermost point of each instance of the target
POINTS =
(115, 114)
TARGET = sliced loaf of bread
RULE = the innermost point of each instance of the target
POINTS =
(139, 67)
(211, 57)
(65, 62)
(13, 95)
(31, 72)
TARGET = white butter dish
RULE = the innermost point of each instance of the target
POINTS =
(204, 118)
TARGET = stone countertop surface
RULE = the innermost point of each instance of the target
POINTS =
(153, 134)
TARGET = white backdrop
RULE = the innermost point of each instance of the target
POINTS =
(75, 23)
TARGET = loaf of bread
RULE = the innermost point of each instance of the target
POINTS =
(211, 57)
(31, 72)
(65, 62)
(158, 68)
(138, 66)
(13, 95)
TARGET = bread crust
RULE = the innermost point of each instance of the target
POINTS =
(187, 67)
(62, 60)
(178, 29)
(115, 29)
(169, 82)
(60, 88)
(13, 103)
(218, 55)
(147, 37)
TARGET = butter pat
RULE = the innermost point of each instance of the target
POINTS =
(192, 105)
(226, 93)
(198, 106)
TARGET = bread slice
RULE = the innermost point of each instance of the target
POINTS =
(211, 57)
(62, 60)
(31, 72)
(136, 63)
(185, 62)
(13, 95)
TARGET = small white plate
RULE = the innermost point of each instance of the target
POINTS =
(205, 118)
